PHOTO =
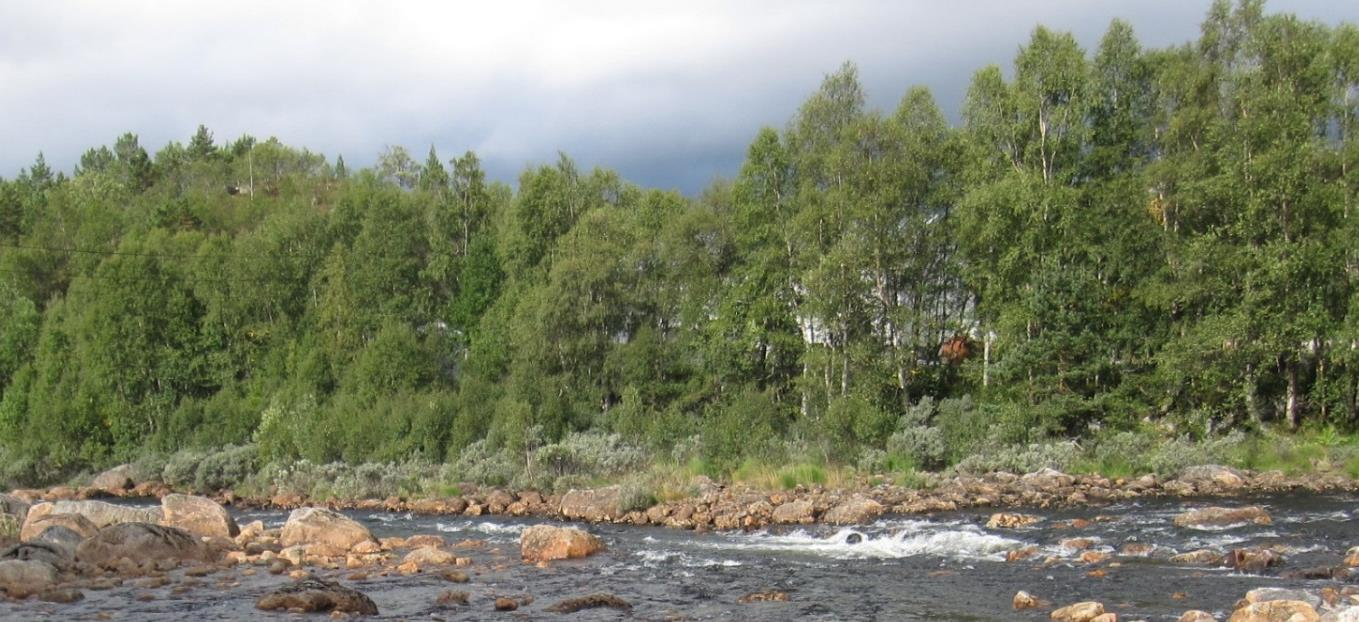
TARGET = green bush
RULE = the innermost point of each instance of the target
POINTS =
(149, 467)
(480, 463)
(226, 468)
(181, 468)
(1058, 455)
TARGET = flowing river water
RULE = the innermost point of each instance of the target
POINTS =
(942, 567)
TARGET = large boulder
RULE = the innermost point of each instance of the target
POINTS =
(324, 532)
(200, 516)
(22, 577)
(794, 512)
(1276, 611)
(1213, 476)
(599, 505)
(1223, 517)
(855, 511)
(101, 513)
(35, 526)
(541, 543)
(312, 594)
(114, 480)
(59, 557)
(59, 536)
(141, 541)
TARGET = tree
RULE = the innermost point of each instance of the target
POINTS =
(200, 146)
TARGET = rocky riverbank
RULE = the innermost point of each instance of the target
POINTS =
(728, 507)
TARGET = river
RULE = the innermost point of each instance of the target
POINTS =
(943, 567)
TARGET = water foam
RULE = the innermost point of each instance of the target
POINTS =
(485, 527)
(964, 542)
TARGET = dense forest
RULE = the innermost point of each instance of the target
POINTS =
(1162, 241)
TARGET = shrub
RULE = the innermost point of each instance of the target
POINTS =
(226, 468)
(181, 469)
(480, 463)
(149, 467)
(1058, 455)
(922, 445)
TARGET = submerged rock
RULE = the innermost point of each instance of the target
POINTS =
(312, 595)
(140, 541)
(1221, 517)
(1201, 557)
(62, 595)
(763, 597)
(325, 532)
(1252, 560)
(1010, 520)
(200, 516)
(593, 601)
(452, 597)
(1024, 600)
(541, 543)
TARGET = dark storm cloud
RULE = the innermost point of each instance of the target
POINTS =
(669, 94)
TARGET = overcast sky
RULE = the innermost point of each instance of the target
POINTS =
(667, 93)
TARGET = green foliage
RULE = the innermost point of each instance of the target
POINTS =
(1117, 247)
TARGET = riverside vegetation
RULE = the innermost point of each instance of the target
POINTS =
(1122, 260)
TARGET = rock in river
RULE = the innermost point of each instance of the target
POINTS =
(1276, 611)
(325, 532)
(1222, 517)
(548, 543)
(1079, 612)
(312, 594)
(35, 527)
(21, 577)
(200, 516)
(101, 513)
(140, 541)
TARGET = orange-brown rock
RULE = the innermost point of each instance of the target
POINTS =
(550, 543)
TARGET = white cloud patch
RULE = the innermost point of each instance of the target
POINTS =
(667, 93)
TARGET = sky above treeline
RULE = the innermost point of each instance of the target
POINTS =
(667, 93)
